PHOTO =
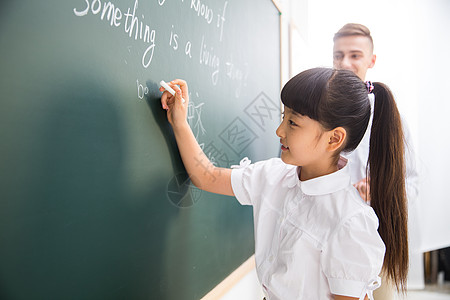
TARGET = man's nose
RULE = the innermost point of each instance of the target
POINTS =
(346, 63)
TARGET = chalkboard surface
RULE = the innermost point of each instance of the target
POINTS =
(94, 200)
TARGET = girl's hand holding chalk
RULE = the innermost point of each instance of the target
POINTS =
(175, 101)
(169, 89)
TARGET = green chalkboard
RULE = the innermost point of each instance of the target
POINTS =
(94, 200)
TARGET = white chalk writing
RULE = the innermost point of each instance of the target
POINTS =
(141, 90)
(221, 20)
(202, 10)
(194, 118)
(132, 24)
(208, 58)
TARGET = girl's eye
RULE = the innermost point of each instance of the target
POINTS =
(292, 123)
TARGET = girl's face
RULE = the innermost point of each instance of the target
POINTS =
(303, 140)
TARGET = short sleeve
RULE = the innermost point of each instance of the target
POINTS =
(243, 182)
(251, 181)
(353, 257)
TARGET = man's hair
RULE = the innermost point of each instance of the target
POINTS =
(352, 29)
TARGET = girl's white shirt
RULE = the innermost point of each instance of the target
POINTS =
(313, 238)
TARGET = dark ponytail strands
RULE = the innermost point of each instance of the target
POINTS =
(387, 184)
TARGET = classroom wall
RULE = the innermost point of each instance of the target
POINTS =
(411, 41)
(393, 28)
(434, 105)
(412, 45)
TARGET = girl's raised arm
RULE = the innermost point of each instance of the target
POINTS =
(202, 172)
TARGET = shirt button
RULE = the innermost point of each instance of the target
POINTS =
(271, 258)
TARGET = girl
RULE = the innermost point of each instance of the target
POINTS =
(315, 238)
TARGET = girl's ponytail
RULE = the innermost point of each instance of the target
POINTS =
(387, 184)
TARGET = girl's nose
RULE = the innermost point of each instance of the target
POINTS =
(280, 131)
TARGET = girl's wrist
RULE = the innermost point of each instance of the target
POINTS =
(182, 125)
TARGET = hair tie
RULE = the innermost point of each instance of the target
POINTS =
(369, 86)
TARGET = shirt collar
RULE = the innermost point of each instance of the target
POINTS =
(326, 184)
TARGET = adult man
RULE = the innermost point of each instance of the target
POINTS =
(353, 50)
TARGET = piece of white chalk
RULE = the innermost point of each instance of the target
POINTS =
(168, 88)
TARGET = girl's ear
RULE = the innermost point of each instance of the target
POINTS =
(336, 138)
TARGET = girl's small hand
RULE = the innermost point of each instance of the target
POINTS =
(176, 109)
